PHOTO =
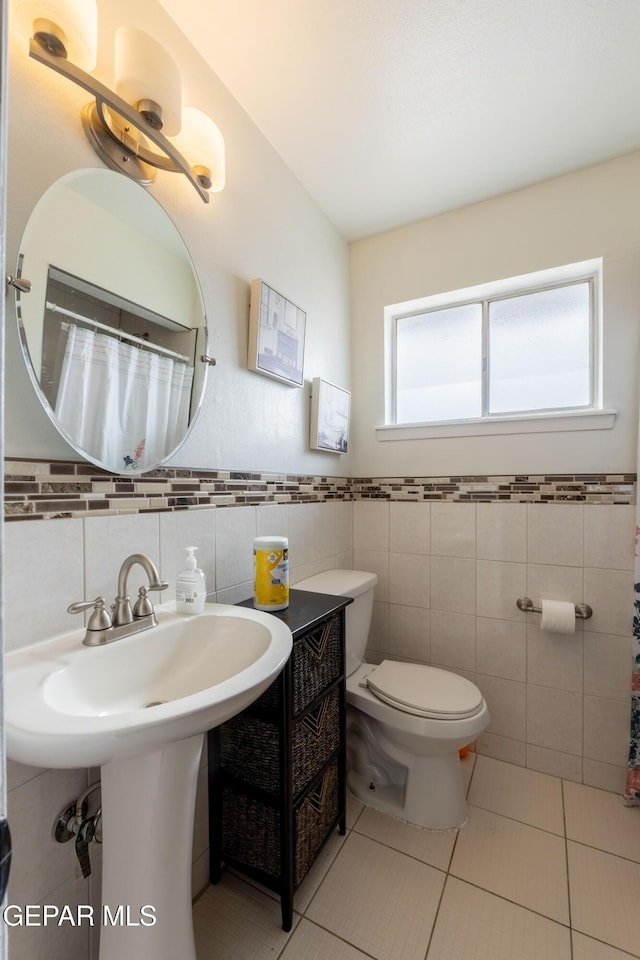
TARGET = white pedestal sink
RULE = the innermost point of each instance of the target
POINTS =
(68, 705)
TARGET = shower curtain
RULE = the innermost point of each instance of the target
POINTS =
(126, 407)
(632, 792)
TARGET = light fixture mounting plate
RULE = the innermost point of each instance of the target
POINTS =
(111, 152)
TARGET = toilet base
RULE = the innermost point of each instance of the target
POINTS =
(432, 797)
(425, 789)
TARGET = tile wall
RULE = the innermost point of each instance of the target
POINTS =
(50, 564)
(450, 568)
(43, 490)
(529, 488)
(449, 575)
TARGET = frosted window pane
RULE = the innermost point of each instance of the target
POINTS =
(439, 365)
(539, 349)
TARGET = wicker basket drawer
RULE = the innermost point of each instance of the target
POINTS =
(314, 817)
(316, 662)
(251, 746)
(251, 830)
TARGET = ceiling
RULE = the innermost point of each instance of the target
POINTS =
(389, 111)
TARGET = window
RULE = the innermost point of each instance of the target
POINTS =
(520, 348)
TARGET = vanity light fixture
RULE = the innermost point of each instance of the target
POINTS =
(140, 127)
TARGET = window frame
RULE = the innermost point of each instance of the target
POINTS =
(512, 421)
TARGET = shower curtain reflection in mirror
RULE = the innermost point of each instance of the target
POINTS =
(120, 403)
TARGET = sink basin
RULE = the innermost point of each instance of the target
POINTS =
(139, 708)
(68, 705)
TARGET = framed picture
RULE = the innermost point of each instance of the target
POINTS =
(330, 408)
(276, 335)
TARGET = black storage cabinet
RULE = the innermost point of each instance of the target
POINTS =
(277, 771)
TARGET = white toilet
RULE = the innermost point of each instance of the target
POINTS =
(405, 722)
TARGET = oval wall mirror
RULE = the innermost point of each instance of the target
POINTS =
(113, 328)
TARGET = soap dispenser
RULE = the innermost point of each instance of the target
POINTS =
(191, 586)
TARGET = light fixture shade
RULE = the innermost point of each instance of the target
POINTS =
(77, 19)
(145, 72)
(201, 143)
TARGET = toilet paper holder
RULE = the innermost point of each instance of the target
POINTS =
(583, 610)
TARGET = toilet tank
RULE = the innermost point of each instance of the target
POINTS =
(348, 583)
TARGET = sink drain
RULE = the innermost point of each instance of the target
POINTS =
(154, 703)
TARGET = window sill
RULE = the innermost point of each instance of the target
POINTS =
(497, 426)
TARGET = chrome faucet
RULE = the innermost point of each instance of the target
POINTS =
(123, 621)
(122, 612)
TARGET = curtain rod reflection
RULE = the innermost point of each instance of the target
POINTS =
(120, 334)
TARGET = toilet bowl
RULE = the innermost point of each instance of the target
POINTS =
(405, 721)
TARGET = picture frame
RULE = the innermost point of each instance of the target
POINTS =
(330, 415)
(277, 329)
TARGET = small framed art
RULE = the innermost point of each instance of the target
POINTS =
(277, 330)
(330, 409)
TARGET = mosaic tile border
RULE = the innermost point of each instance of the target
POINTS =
(36, 490)
(43, 490)
(523, 488)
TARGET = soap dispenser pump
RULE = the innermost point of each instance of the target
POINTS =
(191, 586)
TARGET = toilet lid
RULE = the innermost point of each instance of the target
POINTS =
(424, 691)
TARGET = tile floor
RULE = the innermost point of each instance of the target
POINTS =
(544, 869)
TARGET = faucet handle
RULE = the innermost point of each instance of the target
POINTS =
(142, 606)
(99, 619)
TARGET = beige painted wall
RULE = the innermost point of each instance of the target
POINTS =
(262, 225)
(584, 215)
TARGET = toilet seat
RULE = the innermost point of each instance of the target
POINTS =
(424, 691)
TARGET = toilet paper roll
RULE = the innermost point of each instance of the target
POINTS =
(558, 616)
